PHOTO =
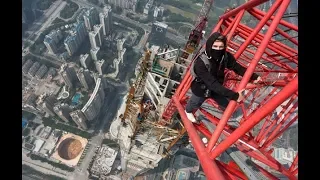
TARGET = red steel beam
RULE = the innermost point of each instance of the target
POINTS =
(274, 122)
(233, 171)
(233, 21)
(273, 135)
(295, 172)
(246, 6)
(276, 62)
(262, 112)
(259, 27)
(272, 46)
(282, 22)
(293, 165)
(243, 33)
(235, 25)
(268, 143)
(209, 167)
(286, 35)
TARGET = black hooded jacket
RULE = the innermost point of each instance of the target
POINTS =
(214, 79)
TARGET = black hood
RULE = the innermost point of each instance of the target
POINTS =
(213, 37)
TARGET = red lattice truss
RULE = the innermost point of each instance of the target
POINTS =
(277, 63)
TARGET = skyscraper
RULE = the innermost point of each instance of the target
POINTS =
(75, 39)
(106, 20)
(96, 37)
(85, 61)
(79, 118)
(51, 40)
(158, 33)
(101, 65)
(95, 54)
(99, 29)
(126, 4)
(68, 74)
(63, 111)
(91, 18)
(92, 108)
(85, 78)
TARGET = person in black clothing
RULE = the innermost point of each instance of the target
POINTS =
(209, 84)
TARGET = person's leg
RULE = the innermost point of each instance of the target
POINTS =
(193, 104)
(223, 103)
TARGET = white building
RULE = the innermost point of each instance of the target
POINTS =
(126, 4)
(95, 53)
(284, 156)
(106, 20)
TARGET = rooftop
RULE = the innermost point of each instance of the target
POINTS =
(104, 160)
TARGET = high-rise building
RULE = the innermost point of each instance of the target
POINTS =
(85, 78)
(34, 68)
(158, 33)
(284, 156)
(51, 46)
(42, 71)
(63, 111)
(48, 108)
(52, 39)
(71, 44)
(51, 100)
(91, 18)
(96, 36)
(68, 74)
(86, 61)
(148, 7)
(24, 17)
(46, 103)
(26, 66)
(120, 49)
(158, 11)
(126, 4)
(81, 31)
(92, 108)
(106, 20)
(99, 29)
(95, 54)
(75, 39)
(101, 66)
(93, 37)
(79, 118)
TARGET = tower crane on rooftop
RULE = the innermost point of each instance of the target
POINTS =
(197, 33)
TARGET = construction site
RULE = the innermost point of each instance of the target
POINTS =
(151, 123)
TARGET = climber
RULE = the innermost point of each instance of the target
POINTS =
(208, 72)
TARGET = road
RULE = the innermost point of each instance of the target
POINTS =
(58, 63)
(43, 167)
(177, 38)
(48, 17)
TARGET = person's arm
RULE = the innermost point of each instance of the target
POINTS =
(212, 83)
(237, 68)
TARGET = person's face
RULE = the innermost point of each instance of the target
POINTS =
(218, 45)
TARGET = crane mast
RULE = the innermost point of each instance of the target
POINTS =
(197, 33)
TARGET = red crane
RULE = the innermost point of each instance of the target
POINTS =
(197, 33)
(269, 106)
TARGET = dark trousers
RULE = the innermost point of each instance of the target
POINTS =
(195, 102)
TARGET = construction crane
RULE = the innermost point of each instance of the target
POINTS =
(197, 33)
(268, 106)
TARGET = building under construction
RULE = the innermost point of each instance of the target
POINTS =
(143, 136)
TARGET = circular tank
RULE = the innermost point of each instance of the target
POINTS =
(69, 148)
